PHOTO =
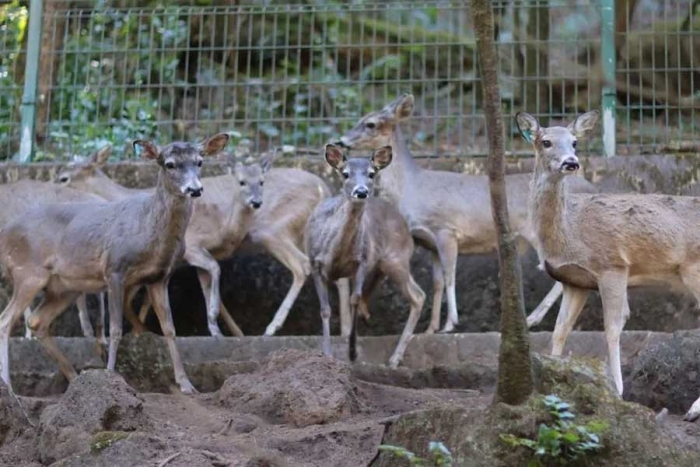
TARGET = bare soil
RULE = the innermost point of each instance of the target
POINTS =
(297, 409)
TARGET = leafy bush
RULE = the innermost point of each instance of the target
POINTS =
(440, 456)
(563, 441)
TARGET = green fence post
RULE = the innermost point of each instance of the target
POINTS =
(607, 55)
(31, 75)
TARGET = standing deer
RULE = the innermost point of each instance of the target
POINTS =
(605, 242)
(355, 235)
(447, 213)
(288, 200)
(17, 198)
(68, 249)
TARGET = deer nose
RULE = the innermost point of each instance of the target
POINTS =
(570, 164)
(343, 143)
(194, 192)
(360, 192)
(256, 204)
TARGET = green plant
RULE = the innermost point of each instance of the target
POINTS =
(563, 441)
(439, 455)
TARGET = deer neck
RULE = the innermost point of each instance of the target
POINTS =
(399, 174)
(547, 212)
(104, 187)
(240, 215)
(349, 220)
(168, 214)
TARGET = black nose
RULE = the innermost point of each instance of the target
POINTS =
(341, 144)
(195, 192)
(570, 165)
(256, 204)
(360, 192)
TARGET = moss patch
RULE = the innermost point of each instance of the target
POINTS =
(104, 439)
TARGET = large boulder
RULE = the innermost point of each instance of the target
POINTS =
(633, 437)
(96, 401)
(294, 387)
(667, 374)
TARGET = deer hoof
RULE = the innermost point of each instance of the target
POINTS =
(393, 363)
(187, 388)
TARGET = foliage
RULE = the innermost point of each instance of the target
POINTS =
(13, 25)
(440, 456)
(563, 441)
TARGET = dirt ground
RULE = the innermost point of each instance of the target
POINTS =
(297, 408)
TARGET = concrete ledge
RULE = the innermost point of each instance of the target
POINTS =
(145, 362)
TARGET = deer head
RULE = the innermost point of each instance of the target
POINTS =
(180, 162)
(555, 147)
(358, 173)
(375, 129)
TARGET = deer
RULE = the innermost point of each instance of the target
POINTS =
(356, 235)
(20, 196)
(447, 213)
(605, 242)
(278, 225)
(115, 246)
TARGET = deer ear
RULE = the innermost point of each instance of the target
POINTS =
(266, 161)
(584, 123)
(101, 156)
(335, 157)
(527, 125)
(382, 157)
(403, 107)
(146, 149)
(214, 144)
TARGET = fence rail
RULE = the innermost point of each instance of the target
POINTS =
(300, 73)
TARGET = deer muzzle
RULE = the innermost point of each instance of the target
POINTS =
(570, 164)
(360, 192)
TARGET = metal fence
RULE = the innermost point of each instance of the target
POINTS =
(299, 73)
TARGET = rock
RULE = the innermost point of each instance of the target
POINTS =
(293, 386)
(96, 401)
(666, 375)
(109, 449)
(13, 420)
(633, 438)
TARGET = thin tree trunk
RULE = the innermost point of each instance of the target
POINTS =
(51, 41)
(515, 380)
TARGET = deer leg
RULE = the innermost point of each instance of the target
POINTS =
(447, 249)
(343, 286)
(571, 306)
(355, 298)
(145, 308)
(116, 307)
(40, 322)
(27, 331)
(205, 284)
(161, 304)
(400, 275)
(137, 327)
(100, 325)
(200, 258)
(322, 291)
(545, 305)
(84, 316)
(438, 289)
(371, 282)
(613, 292)
(293, 259)
(22, 295)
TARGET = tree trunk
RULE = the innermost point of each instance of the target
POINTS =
(53, 26)
(515, 380)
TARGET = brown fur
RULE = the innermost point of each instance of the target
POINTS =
(354, 235)
(448, 213)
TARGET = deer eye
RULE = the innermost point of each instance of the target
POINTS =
(261, 183)
(170, 165)
(371, 125)
(574, 144)
(346, 175)
(370, 175)
(241, 183)
(199, 163)
(547, 143)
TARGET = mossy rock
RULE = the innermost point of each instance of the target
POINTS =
(632, 438)
(105, 439)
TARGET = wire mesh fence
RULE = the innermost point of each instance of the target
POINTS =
(300, 73)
